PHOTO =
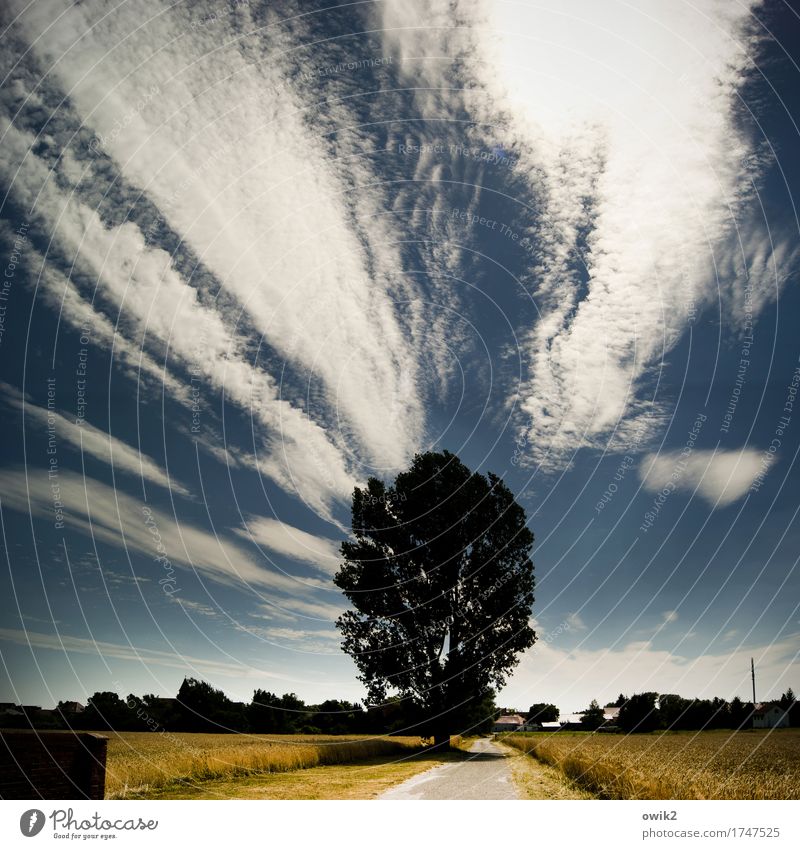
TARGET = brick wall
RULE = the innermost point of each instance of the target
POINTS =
(52, 765)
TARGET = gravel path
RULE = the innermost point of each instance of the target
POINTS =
(486, 775)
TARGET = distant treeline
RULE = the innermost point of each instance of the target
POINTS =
(200, 707)
(662, 712)
(670, 712)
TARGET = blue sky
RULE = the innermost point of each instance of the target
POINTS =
(255, 253)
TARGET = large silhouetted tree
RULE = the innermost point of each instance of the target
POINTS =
(441, 580)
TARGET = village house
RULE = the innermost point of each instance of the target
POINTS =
(511, 722)
(770, 715)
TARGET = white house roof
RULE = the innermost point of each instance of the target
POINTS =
(572, 717)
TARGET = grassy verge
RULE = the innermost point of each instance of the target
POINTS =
(142, 764)
(536, 780)
(363, 780)
(462, 744)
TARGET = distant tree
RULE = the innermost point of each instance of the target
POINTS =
(153, 713)
(705, 714)
(263, 713)
(672, 710)
(593, 717)
(621, 699)
(270, 714)
(295, 711)
(338, 717)
(639, 713)
(720, 714)
(165, 713)
(789, 703)
(204, 708)
(394, 716)
(542, 712)
(106, 710)
(441, 580)
(740, 713)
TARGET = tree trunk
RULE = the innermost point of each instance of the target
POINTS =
(441, 742)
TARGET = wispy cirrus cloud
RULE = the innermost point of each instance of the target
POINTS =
(109, 516)
(647, 97)
(94, 442)
(322, 553)
(302, 253)
(301, 608)
(626, 122)
(224, 666)
(149, 300)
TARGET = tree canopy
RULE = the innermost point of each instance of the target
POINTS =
(639, 713)
(593, 717)
(441, 581)
(543, 712)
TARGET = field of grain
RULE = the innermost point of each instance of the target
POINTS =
(139, 762)
(688, 765)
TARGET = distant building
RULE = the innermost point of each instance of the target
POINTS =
(512, 722)
(610, 720)
(71, 707)
(770, 715)
(572, 722)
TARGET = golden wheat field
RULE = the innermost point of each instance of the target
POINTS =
(682, 765)
(139, 761)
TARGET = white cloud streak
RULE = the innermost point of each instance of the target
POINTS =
(320, 552)
(114, 518)
(223, 149)
(721, 477)
(154, 303)
(97, 443)
(145, 657)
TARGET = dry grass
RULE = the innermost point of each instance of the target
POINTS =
(142, 762)
(361, 780)
(535, 780)
(689, 765)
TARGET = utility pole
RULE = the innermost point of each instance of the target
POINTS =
(753, 676)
